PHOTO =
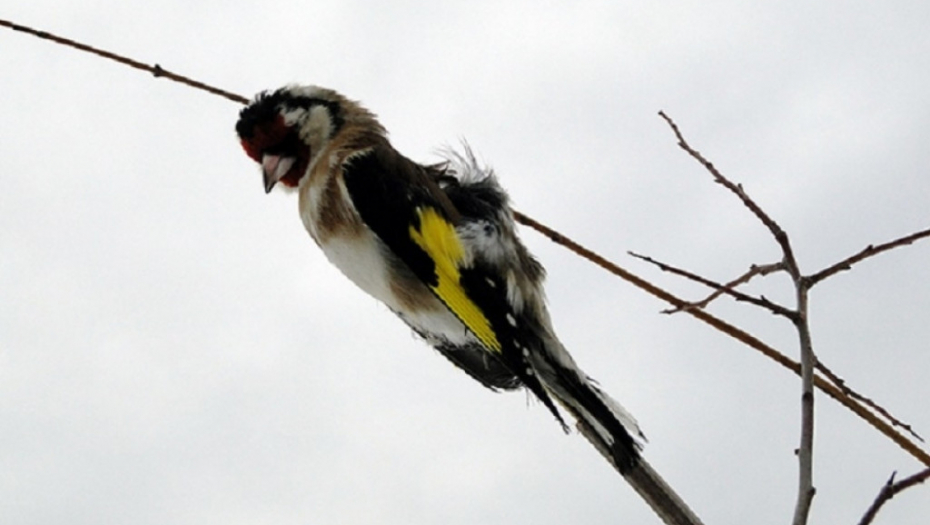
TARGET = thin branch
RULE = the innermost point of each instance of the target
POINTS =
(809, 281)
(806, 489)
(841, 384)
(721, 289)
(762, 270)
(740, 335)
(890, 490)
(155, 69)
(880, 425)
(754, 270)
(780, 236)
(867, 252)
(802, 283)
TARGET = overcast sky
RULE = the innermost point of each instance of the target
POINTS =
(174, 349)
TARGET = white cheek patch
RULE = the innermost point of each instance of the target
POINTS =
(317, 127)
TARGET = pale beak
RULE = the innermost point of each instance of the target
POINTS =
(274, 167)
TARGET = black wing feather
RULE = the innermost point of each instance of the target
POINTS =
(386, 189)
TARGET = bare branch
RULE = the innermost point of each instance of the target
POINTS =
(841, 384)
(155, 70)
(806, 488)
(867, 252)
(780, 236)
(805, 450)
(722, 289)
(803, 284)
(753, 271)
(740, 335)
(890, 490)
(764, 270)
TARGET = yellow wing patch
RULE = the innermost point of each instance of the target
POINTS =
(438, 239)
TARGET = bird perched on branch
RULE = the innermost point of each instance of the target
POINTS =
(436, 244)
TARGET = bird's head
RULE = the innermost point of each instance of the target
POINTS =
(286, 130)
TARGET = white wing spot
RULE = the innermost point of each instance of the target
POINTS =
(511, 320)
(491, 282)
(529, 371)
(526, 352)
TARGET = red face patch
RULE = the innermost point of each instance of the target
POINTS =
(264, 136)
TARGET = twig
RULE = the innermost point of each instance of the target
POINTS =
(754, 270)
(807, 282)
(155, 69)
(730, 330)
(806, 489)
(890, 490)
(841, 384)
(721, 289)
(867, 252)
(765, 303)
(780, 236)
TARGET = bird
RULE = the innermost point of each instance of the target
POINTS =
(437, 244)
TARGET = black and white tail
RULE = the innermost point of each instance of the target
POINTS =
(612, 431)
(474, 191)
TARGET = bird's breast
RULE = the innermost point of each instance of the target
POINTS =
(367, 263)
(361, 260)
(334, 223)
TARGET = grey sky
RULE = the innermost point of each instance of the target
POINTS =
(174, 348)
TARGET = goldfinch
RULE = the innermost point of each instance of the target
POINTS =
(436, 244)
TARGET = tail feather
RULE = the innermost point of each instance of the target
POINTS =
(626, 419)
(609, 423)
(663, 500)
(613, 427)
(551, 372)
(613, 432)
